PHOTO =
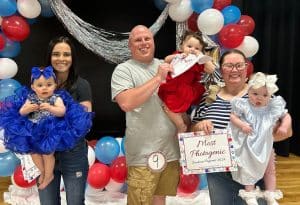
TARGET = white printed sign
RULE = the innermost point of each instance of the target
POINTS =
(181, 63)
(202, 153)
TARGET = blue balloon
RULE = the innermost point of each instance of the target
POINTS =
(8, 7)
(214, 38)
(8, 163)
(223, 50)
(8, 87)
(200, 5)
(124, 188)
(203, 182)
(160, 4)
(122, 145)
(11, 49)
(232, 14)
(107, 149)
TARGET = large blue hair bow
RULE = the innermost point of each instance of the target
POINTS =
(47, 72)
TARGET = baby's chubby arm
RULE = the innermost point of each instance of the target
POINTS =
(28, 107)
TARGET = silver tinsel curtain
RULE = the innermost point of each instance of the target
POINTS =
(111, 45)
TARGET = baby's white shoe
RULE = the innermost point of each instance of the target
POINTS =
(272, 196)
(250, 197)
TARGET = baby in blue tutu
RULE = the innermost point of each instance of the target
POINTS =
(42, 120)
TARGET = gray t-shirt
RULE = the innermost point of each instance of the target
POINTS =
(148, 129)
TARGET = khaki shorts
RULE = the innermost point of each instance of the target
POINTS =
(143, 184)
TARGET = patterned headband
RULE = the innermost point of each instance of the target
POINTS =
(37, 72)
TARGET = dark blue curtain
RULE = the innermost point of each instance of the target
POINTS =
(277, 31)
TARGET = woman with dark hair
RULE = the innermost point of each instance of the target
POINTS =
(71, 165)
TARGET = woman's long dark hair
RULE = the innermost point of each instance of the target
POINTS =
(72, 76)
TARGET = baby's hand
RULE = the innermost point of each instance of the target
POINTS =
(184, 55)
(45, 106)
(32, 107)
(246, 128)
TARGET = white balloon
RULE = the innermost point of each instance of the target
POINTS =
(113, 186)
(172, 1)
(210, 21)
(62, 184)
(2, 147)
(91, 156)
(29, 8)
(8, 68)
(249, 46)
(91, 191)
(180, 11)
(119, 139)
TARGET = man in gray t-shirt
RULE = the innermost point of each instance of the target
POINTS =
(152, 151)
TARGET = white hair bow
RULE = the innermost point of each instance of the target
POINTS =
(260, 79)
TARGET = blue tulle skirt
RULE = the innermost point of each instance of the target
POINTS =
(47, 135)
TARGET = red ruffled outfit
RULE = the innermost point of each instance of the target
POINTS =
(181, 92)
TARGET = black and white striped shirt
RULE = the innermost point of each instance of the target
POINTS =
(218, 112)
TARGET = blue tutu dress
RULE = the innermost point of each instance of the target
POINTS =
(41, 132)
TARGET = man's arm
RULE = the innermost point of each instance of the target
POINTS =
(134, 97)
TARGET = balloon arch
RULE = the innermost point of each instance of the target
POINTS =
(221, 24)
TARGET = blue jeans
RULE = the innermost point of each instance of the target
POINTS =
(224, 191)
(73, 166)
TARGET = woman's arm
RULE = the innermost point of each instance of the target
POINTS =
(283, 128)
(87, 104)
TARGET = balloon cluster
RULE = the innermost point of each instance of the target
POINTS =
(8, 161)
(107, 164)
(15, 19)
(219, 20)
(18, 179)
(188, 184)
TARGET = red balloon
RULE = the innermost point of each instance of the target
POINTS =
(188, 183)
(19, 178)
(220, 4)
(118, 169)
(192, 22)
(15, 28)
(247, 24)
(98, 176)
(231, 36)
(250, 68)
(2, 42)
